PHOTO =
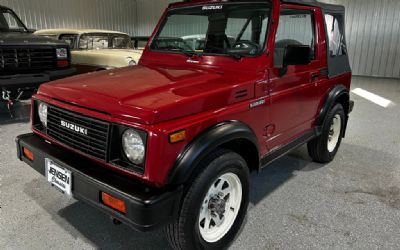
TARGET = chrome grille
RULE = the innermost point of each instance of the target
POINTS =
(95, 143)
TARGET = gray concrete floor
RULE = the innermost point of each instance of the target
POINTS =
(351, 203)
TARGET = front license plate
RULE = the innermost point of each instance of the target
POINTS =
(59, 177)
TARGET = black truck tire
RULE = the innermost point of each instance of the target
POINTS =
(323, 148)
(215, 205)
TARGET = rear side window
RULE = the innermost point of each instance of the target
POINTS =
(296, 27)
(335, 35)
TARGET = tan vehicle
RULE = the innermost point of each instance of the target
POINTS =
(94, 50)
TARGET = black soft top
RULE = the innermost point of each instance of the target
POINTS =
(324, 6)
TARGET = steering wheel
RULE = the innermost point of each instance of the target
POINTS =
(252, 47)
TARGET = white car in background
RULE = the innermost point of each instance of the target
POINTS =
(94, 50)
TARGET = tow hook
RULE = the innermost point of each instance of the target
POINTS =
(9, 102)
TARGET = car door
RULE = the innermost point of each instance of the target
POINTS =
(294, 92)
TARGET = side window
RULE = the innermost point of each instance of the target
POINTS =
(11, 21)
(69, 39)
(296, 27)
(335, 35)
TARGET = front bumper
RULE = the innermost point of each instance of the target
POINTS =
(34, 80)
(146, 208)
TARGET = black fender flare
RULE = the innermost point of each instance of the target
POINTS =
(213, 137)
(336, 93)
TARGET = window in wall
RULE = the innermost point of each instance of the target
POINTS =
(335, 36)
(296, 27)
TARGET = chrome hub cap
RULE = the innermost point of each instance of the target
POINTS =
(220, 207)
(334, 133)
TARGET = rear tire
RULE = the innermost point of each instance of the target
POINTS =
(323, 149)
(215, 205)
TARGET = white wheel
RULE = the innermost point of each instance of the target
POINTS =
(215, 206)
(334, 133)
(220, 207)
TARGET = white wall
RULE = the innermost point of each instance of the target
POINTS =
(135, 17)
(373, 26)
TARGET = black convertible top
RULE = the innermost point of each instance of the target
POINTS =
(325, 6)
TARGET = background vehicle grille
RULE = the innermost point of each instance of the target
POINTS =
(95, 143)
(27, 58)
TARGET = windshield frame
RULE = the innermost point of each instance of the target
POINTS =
(110, 36)
(171, 11)
(22, 24)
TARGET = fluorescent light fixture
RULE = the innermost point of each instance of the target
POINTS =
(383, 102)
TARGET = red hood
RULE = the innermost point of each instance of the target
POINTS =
(151, 95)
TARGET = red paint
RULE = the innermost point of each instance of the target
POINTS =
(165, 94)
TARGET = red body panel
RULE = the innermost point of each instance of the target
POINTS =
(167, 93)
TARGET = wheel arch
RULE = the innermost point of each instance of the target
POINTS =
(338, 94)
(232, 135)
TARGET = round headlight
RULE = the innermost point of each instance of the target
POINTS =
(132, 63)
(42, 111)
(133, 146)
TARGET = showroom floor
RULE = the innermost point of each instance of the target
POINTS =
(352, 203)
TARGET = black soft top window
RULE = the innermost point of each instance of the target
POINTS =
(338, 60)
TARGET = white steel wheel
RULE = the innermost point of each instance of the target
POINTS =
(220, 207)
(334, 133)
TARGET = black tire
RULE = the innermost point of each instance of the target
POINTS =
(184, 233)
(318, 147)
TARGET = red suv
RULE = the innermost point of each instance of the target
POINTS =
(223, 88)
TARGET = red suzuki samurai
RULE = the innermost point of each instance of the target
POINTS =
(223, 88)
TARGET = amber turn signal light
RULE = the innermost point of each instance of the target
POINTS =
(113, 202)
(177, 136)
(28, 154)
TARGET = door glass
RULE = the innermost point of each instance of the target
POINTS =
(295, 28)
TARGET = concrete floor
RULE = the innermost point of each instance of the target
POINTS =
(352, 203)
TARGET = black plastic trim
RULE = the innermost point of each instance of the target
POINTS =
(23, 80)
(276, 154)
(204, 144)
(147, 208)
(334, 94)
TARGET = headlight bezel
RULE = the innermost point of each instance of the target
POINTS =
(35, 120)
(117, 154)
(62, 53)
(42, 111)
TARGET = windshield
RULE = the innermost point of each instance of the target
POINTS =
(105, 41)
(9, 22)
(230, 28)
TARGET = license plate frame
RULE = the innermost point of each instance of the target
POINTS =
(59, 177)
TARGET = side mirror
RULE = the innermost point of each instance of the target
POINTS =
(295, 55)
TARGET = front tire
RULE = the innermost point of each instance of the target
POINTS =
(215, 205)
(323, 149)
